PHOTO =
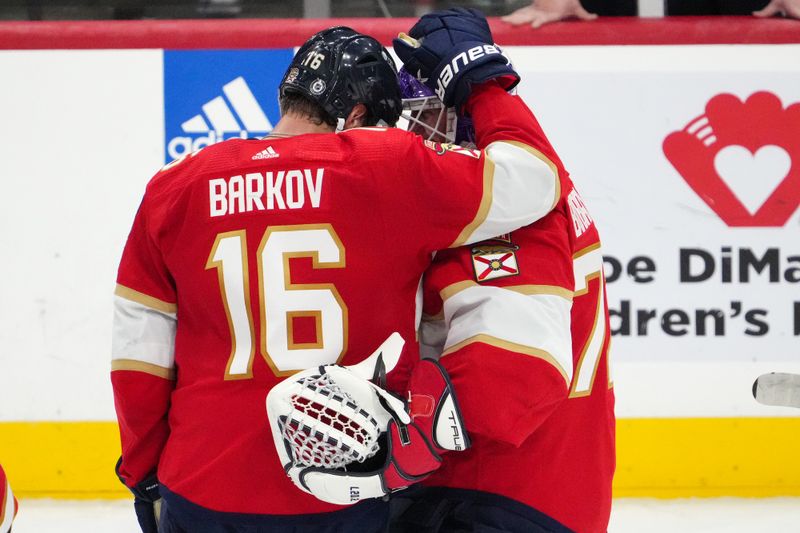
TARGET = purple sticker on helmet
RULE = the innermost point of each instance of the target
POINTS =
(411, 87)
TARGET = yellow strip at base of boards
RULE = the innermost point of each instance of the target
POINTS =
(656, 458)
(69, 460)
(705, 457)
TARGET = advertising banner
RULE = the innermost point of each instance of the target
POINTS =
(692, 172)
(213, 95)
(691, 169)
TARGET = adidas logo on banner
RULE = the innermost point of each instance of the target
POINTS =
(267, 153)
(220, 119)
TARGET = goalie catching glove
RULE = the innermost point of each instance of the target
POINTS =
(452, 50)
(344, 439)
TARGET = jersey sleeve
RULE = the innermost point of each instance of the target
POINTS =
(508, 345)
(471, 195)
(143, 349)
(8, 503)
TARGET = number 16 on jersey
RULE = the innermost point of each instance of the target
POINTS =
(280, 300)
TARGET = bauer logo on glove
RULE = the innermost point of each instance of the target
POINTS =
(343, 438)
(465, 58)
(453, 50)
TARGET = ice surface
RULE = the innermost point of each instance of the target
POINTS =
(712, 515)
(706, 515)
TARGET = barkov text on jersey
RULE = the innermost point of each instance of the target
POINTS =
(257, 191)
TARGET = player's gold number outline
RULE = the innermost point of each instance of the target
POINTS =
(280, 300)
(588, 265)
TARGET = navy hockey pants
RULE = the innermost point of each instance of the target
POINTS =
(445, 510)
(178, 515)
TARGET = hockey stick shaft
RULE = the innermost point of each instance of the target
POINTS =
(778, 389)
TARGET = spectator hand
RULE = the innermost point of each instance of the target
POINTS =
(789, 8)
(541, 12)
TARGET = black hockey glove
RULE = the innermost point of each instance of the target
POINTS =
(452, 50)
(146, 501)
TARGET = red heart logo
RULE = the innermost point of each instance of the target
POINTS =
(742, 158)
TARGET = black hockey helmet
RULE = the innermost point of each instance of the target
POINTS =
(338, 68)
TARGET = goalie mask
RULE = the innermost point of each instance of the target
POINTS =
(338, 68)
(428, 117)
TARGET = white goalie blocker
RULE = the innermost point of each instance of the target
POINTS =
(330, 418)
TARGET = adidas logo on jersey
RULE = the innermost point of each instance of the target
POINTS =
(237, 114)
(266, 153)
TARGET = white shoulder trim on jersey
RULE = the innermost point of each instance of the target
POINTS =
(143, 338)
(7, 509)
(532, 324)
(520, 186)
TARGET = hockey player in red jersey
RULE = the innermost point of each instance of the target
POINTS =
(521, 324)
(8, 503)
(251, 260)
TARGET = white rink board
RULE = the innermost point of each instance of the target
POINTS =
(82, 134)
(84, 130)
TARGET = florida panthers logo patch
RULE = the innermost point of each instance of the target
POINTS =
(293, 73)
(494, 259)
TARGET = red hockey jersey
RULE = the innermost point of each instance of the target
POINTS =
(253, 259)
(8, 503)
(522, 321)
